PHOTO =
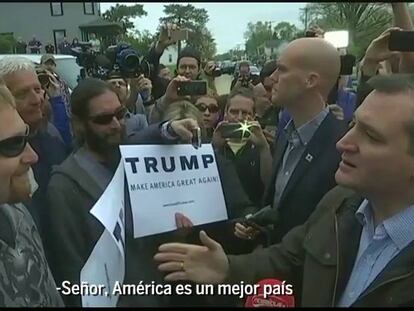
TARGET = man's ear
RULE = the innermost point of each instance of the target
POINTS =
(79, 128)
(312, 80)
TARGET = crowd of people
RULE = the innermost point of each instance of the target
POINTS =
(319, 193)
(35, 46)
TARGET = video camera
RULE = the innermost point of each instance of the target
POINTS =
(120, 58)
(245, 79)
(127, 61)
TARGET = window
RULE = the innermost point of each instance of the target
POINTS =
(88, 8)
(56, 8)
(170, 58)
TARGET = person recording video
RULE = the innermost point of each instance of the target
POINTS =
(246, 147)
(244, 78)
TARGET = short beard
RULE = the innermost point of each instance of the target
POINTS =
(100, 145)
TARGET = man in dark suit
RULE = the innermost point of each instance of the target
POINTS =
(305, 158)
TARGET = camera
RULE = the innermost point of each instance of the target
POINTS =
(245, 80)
(44, 79)
(216, 72)
(127, 61)
(85, 57)
(310, 34)
(401, 41)
(235, 130)
(44, 76)
(120, 58)
(193, 88)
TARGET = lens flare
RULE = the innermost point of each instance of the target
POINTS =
(244, 128)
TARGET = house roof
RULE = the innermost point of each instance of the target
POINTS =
(100, 22)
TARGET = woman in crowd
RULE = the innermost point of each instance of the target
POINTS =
(209, 107)
(237, 202)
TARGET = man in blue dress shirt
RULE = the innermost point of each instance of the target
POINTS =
(357, 248)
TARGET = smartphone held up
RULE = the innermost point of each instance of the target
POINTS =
(401, 41)
(239, 130)
(192, 88)
(178, 34)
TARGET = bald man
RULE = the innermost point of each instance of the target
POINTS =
(305, 157)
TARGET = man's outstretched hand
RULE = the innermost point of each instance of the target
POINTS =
(200, 264)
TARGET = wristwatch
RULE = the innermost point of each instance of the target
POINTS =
(168, 132)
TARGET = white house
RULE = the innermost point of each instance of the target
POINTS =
(269, 48)
(170, 56)
(50, 22)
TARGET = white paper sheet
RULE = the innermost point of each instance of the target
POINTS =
(106, 264)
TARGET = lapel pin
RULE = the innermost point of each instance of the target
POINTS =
(309, 157)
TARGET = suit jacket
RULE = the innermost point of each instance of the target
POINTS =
(312, 178)
(318, 258)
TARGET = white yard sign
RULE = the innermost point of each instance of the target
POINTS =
(166, 179)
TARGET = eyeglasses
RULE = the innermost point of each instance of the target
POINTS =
(14, 146)
(211, 108)
(105, 119)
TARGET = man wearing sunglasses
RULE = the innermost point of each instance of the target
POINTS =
(26, 280)
(76, 185)
(21, 79)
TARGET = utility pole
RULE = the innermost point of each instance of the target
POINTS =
(306, 18)
(179, 41)
(270, 26)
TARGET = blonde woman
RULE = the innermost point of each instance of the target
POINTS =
(184, 109)
(237, 202)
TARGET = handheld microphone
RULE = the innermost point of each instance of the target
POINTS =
(264, 217)
(272, 293)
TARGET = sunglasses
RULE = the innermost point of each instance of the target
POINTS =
(105, 119)
(14, 146)
(211, 108)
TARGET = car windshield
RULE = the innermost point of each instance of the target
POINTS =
(69, 70)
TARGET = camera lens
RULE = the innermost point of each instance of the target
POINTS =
(132, 61)
(43, 79)
(217, 72)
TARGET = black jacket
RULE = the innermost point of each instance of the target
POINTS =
(73, 233)
(310, 180)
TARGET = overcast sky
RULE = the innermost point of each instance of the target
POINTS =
(228, 21)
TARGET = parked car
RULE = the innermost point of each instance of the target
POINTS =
(227, 67)
(254, 71)
(66, 67)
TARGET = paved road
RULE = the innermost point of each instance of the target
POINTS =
(223, 84)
